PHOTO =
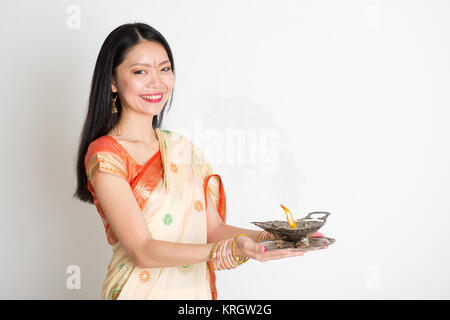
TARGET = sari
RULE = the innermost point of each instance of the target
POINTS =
(171, 190)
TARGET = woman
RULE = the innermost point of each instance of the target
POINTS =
(163, 209)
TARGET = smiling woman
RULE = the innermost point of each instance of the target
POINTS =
(163, 214)
(143, 85)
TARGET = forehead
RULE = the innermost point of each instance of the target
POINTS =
(146, 52)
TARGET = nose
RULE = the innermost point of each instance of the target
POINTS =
(154, 81)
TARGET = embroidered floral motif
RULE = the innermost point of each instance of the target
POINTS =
(121, 265)
(168, 219)
(174, 168)
(198, 205)
(144, 276)
(185, 269)
(165, 131)
(115, 294)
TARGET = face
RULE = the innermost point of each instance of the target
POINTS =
(145, 71)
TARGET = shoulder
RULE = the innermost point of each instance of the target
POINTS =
(103, 145)
(105, 151)
(103, 142)
(104, 155)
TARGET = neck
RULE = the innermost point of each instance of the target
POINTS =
(137, 128)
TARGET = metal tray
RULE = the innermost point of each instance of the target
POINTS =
(314, 243)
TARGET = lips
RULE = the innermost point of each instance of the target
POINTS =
(153, 98)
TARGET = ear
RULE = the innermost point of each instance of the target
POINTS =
(113, 85)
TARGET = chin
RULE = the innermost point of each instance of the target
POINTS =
(152, 111)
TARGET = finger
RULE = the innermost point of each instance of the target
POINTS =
(290, 254)
(279, 254)
(251, 248)
(298, 253)
(271, 255)
(317, 234)
(260, 248)
(257, 249)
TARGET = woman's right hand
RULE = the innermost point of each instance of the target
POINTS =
(246, 247)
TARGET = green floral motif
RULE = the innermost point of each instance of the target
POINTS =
(165, 131)
(115, 294)
(168, 219)
(185, 269)
(121, 265)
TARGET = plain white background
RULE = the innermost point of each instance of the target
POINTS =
(355, 92)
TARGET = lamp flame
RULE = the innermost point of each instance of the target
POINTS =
(289, 217)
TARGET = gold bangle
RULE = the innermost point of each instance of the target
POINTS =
(213, 252)
(240, 260)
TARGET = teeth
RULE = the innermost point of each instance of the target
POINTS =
(151, 97)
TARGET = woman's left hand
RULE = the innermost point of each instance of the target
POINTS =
(318, 234)
(246, 247)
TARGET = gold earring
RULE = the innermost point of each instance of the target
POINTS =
(114, 108)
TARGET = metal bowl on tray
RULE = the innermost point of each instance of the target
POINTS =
(306, 226)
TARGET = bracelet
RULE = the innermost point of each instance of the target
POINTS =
(264, 235)
(239, 260)
(222, 255)
(213, 252)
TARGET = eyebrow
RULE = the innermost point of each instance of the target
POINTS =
(146, 64)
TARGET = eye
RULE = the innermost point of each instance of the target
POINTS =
(137, 71)
(168, 68)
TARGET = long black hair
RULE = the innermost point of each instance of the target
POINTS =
(99, 119)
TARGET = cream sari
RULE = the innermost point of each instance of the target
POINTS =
(171, 192)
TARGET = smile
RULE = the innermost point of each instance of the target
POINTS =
(153, 98)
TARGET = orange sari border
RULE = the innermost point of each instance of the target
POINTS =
(222, 210)
(148, 179)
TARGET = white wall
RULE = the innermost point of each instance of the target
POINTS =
(356, 91)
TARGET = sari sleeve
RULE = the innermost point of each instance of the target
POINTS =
(103, 157)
